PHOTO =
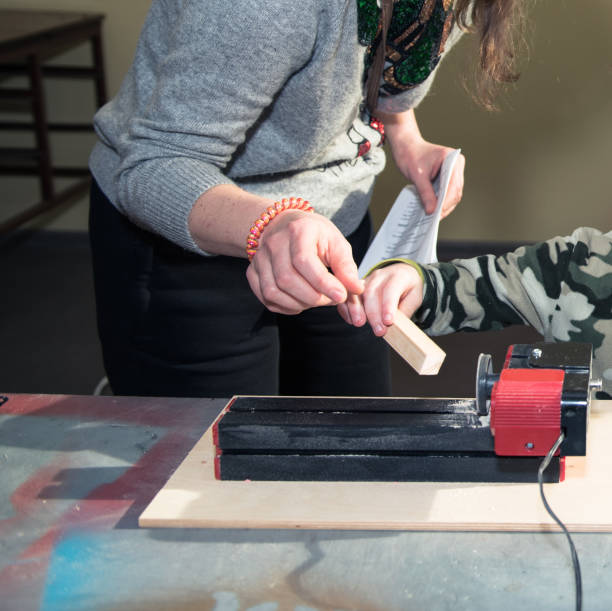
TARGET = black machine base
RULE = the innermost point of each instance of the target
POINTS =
(363, 439)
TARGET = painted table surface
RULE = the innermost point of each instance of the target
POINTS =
(76, 472)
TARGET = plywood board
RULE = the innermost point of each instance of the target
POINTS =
(192, 498)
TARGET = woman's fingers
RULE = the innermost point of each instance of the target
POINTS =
(355, 309)
(426, 192)
(289, 272)
(265, 289)
(318, 246)
(455, 188)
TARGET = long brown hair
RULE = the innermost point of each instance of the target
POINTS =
(499, 25)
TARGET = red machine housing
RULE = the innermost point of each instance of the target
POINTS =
(526, 411)
(543, 390)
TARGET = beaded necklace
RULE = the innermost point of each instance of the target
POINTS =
(415, 40)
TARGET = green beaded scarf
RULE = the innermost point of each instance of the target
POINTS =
(415, 41)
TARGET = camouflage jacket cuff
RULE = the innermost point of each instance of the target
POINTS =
(425, 316)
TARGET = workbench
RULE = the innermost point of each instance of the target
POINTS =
(77, 471)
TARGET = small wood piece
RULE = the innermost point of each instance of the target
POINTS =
(414, 346)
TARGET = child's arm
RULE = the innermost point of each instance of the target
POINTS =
(561, 287)
(556, 286)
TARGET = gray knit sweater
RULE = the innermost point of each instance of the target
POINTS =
(264, 94)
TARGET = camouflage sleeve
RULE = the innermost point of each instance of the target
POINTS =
(561, 287)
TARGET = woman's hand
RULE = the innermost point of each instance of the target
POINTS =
(289, 272)
(420, 161)
(396, 286)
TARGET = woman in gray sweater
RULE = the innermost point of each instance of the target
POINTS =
(202, 288)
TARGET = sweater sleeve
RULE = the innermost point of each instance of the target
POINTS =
(221, 68)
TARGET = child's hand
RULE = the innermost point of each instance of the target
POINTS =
(387, 289)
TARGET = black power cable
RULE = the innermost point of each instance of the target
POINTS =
(576, 563)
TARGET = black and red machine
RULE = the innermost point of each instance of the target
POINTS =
(501, 435)
(543, 389)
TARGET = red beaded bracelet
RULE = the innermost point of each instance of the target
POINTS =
(293, 203)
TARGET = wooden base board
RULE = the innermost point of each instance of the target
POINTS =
(192, 498)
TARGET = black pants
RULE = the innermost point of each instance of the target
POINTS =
(174, 323)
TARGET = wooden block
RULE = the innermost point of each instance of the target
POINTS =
(414, 346)
(193, 498)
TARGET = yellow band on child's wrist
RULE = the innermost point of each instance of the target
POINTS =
(386, 262)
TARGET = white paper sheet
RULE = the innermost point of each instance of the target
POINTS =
(408, 232)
